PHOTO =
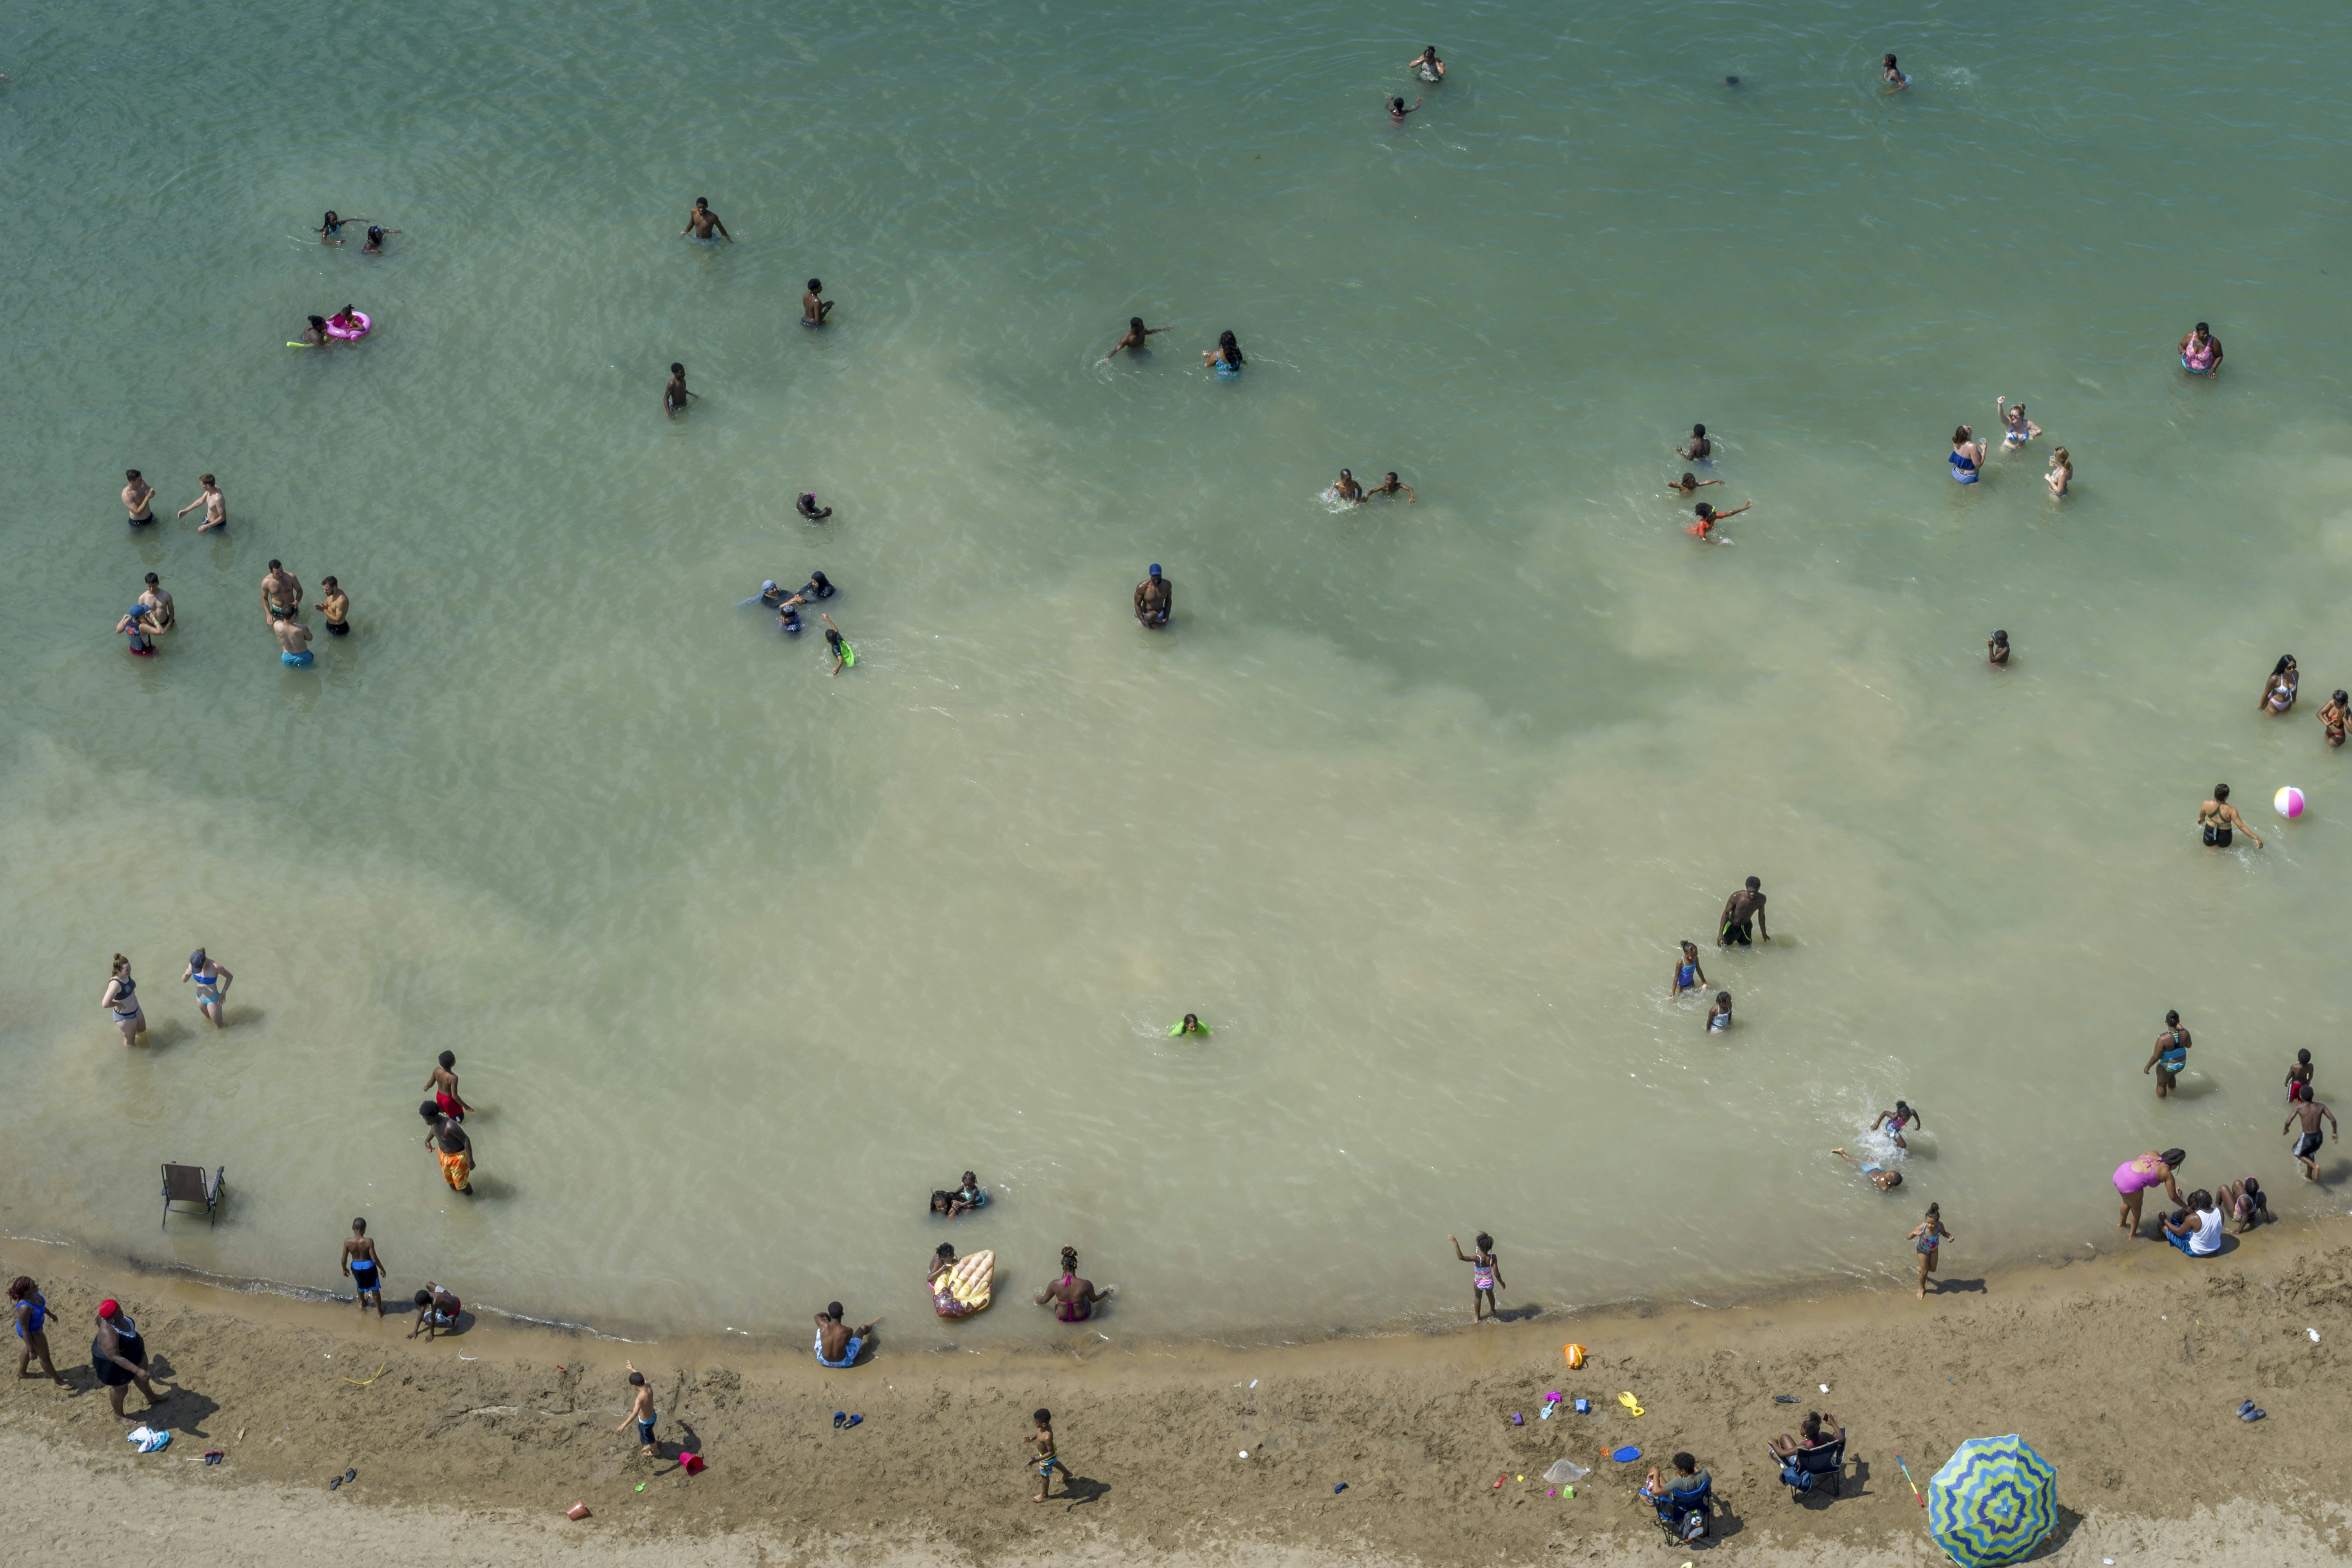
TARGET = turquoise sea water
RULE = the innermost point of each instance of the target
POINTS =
(1410, 804)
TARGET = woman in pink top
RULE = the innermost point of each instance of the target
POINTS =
(2134, 1178)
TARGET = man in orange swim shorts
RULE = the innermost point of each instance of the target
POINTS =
(449, 1143)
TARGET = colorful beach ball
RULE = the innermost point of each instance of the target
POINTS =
(2288, 803)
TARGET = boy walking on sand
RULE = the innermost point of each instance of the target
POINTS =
(641, 1410)
(1047, 1461)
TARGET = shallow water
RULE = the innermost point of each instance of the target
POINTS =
(741, 961)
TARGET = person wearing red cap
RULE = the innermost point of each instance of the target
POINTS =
(118, 1356)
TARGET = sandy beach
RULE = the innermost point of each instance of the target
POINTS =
(2124, 1371)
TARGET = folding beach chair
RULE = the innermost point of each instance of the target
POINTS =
(1801, 1470)
(189, 1185)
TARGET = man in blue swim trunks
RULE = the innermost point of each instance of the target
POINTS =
(293, 642)
(1155, 599)
(836, 1345)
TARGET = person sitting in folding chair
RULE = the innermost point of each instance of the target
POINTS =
(1682, 1498)
(1816, 1456)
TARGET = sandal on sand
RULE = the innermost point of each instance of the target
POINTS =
(838, 1417)
(854, 1421)
(2251, 1415)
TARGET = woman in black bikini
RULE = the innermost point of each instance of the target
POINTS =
(2217, 818)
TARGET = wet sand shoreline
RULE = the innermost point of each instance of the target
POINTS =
(2124, 1371)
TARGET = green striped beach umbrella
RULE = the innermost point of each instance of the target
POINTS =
(1994, 1501)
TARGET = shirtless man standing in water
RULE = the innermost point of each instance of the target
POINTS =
(1738, 910)
(138, 499)
(702, 220)
(215, 508)
(1155, 597)
(281, 593)
(2308, 1112)
(2217, 818)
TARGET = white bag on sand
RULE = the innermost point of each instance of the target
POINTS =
(1565, 1474)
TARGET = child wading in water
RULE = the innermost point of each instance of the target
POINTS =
(1929, 1236)
(1485, 1277)
(1689, 976)
(1047, 1461)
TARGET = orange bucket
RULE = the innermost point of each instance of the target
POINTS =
(1575, 1354)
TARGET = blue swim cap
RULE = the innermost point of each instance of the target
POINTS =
(195, 958)
(1155, 569)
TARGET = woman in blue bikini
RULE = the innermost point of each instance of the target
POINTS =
(1968, 456)
(31, 1310)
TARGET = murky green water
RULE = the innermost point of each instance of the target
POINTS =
(1411, 803)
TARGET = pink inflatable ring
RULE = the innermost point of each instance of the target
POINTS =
(351, 334)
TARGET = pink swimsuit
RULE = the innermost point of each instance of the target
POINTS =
(2130, 1178)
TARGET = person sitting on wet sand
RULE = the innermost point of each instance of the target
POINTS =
(450, 1146)
(1997, 648)
(2332, 717)
(1346, 489)
(1687, 483)
(1136, 340)
(1708, 517)
(1393, 486)
(2217, 818)
(1072, 1299)
(2245, 1203)
(837, 1346)
(436, 1310)
(806, 505)
(1884, 1179)
(2278, 690)
(1689, 976)
(2197, 1228)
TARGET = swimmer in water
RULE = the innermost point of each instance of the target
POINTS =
(2171, 1054)
(138, 624)
(1155, 599)
(1427, 66)
(806, 505)
(347, 319)
(212, 980)
(336, 607)
(138, 499)
(331, 231)
(156, 599)
(1397, 110)
(674, 396)
(314, 336)
(2200, 352)
(700, 220)
(1190, 1025)
(2217, 818)
(816, 587)
(1686, 484)
(1346, 489)
(1699, 449)
(1896, 1119)
(813, 310)
(2278, 691)
(375, 245)
(2332, 717)
(844, 656)
(2061, 476)
(215, 508)
(1893, 77)
(1997, 649)
(2016, 429)
(788, 621)
(1689, 976)
(1133, 340)
(1884, 1179)
(1225, 359)
(293, 642)
(281, 592)
(1718, 1017)
(1708, 517)
(1392, 486)
(1968, 456)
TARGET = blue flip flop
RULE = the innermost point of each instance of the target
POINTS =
(838, 1417)
(2251, 1415)
(855, 1419)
